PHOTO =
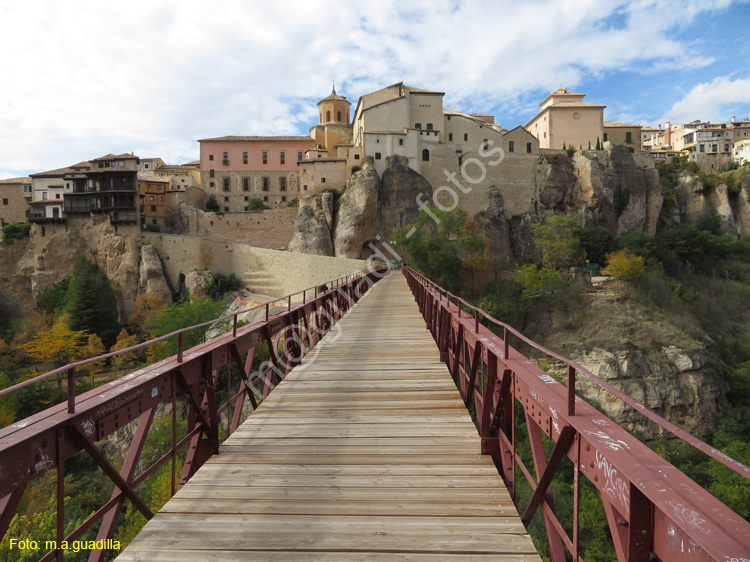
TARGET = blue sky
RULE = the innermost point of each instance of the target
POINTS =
(84, 78)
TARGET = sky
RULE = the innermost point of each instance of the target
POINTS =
(80, 79)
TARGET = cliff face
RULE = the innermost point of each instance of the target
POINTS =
(369, 210)
(47, 257)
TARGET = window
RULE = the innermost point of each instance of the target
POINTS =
(210, 157)
(57, 196)
(605, 137)
(713, 148)
(322, 180)
(226, 158)
(145, 166)
(265, 184)
(299, 156)
(628, 138)
(377, 156)
(466, 136)
(247, 198)
(511, 146)
(44, 195)
(485, 144)
(282, 157)
(211, 173)
(528, 148)
(245, 184)
(27, 188)
(328, 116)
(401, 142)
(226, 209)
(703, 148)
(211, 184)
(5, 200)
(226, 199)
(305, 187)
(356, 156)
(226, 184)
(417, 125)
(425, 155)
(244, 157)
(153, 208)
(282, 183)
(150, 197)
(265, 157)
(429, 126)
(44, 231)
(450, 135)
(283, 197)
(265, 198)
(726, 148)
(338, 116)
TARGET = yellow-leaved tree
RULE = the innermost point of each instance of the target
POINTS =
(124, 360)
(57, 345)
(624, 266)
(93, 348)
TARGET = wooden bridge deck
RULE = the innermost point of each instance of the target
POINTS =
(364, 452)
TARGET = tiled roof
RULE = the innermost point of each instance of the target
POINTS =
(232, 138)
(74, 169)
(494, 126)
(574, 104)
(125, 156)
(15, 180)
(614, 124)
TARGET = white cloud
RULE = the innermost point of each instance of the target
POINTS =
(84, 78)
(712, 101)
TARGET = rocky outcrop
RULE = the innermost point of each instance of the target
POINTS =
(356, 220)
(556, 180)
(676, 383)
(496, 229)
(152, 279)
(400, 189)
(195, 281)
(312, 229)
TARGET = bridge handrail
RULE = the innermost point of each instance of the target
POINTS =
(70, 368)
(704, 447)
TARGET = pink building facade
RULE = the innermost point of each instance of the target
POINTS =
(237, 168)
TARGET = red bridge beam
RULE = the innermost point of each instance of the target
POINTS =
(651, 506)
(45, 440)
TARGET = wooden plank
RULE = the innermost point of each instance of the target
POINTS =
(364, 452)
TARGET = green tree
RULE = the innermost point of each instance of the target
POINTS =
(430, 242)
(557, 240)
(182, 315)
(534, 281)
(53, 299)
(256, 204)
(473, 246)
(212, 205)
(597, 242)
(91, 302)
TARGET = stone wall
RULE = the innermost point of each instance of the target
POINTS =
(260, 270)
(264, 229)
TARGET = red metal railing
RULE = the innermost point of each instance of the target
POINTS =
(651, 506)
(45, 440)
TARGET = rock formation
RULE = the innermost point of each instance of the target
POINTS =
(152, 279)
(496, 228)
(312, 229)
(400, 187)
(356, 219)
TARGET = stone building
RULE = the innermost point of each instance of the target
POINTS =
(152, 193)
(565, 119)
(621, 133)
(15, 194)
(237, 168)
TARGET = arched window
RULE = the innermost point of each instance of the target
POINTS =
(338, 117)
(425, 155)
(328, 116)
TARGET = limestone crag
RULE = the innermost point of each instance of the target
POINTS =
(312, 229)
(152, 279)
(195, 281)
(496, 229)
(676, 383)
(400, 188)
(356, 223)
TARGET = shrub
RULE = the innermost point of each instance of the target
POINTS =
(220, 285)
(13, 232)
(625, 266)
(212, 204)
(256, 204)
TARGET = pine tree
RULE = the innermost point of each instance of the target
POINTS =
(91, 302)
(598, 144)
(564, 148)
